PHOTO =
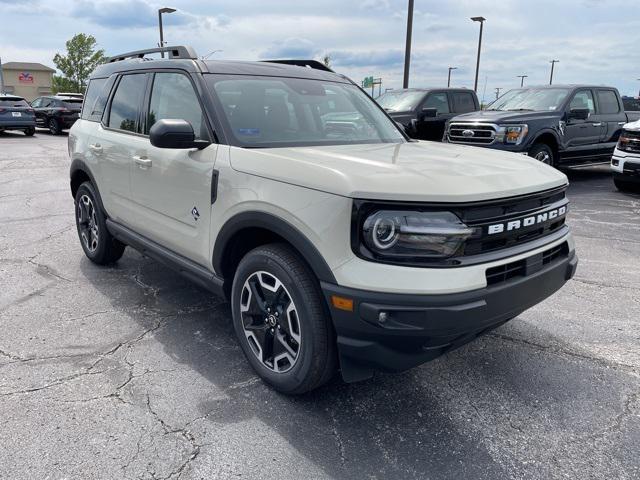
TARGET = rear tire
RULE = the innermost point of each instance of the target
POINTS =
(98, 244)
(625, 186)
(29, 132)
(543, 153)
(54, 126)
(281, 320)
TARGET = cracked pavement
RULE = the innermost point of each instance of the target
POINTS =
(132, 372)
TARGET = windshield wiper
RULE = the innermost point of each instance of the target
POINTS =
(520, 110)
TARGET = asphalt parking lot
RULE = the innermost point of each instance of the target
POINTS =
(132, 372)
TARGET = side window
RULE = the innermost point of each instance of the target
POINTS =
(583, 99)
(36, 103)
(126, 102)
(93, 90)
(463, 102)
(438, 101)
(173, 97)
(608, 102)
(46, 103)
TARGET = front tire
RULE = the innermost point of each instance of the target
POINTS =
(281, 320)
(54, 126)
(98, 244)
(625, 186)
(543, 153)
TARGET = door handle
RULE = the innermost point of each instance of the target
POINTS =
(144, 162)
(95, 147)
(598, 124)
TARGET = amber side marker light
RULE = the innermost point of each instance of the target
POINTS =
(342, 303)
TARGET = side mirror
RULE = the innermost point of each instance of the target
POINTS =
(579, 113)
(429, 112)
(174, 134)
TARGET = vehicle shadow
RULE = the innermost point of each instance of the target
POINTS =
(424, 422)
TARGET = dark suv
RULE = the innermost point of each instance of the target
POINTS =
(16, 114)
(56, 113)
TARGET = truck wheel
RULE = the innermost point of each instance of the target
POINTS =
(98, 244)
(281, 321)
(624, 186)
(543, 153)
(29, 132)
(54, 126)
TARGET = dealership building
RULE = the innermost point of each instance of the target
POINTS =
(27, 80)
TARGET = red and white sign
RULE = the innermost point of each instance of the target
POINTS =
(25, 77)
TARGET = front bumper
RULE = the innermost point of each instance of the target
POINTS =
(626, 166)
(394, 332)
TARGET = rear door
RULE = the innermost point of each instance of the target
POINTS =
(613, 119)
(172, 188)
(582, 137)
(117, 141)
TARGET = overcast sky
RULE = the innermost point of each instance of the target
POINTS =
(596, 41)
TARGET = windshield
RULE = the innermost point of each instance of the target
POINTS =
(534, 99)
(13, 102)
(287, 112)
(400, 101)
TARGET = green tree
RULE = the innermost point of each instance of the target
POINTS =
(63, 84)
(80, 60)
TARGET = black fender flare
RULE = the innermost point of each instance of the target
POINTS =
(550, 131)
(279, 226)
(78, 165)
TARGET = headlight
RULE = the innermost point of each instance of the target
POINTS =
(628, 143)
(397, 234)
(512, 134)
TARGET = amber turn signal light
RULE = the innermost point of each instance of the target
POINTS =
(342, 303)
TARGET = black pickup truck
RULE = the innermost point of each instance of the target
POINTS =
(562, 125)
(423, 112)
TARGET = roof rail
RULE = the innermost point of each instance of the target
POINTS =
(174, 52)
(315, 64)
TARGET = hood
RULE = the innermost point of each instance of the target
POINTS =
(633, 126)
(498, 116)
(413, 171)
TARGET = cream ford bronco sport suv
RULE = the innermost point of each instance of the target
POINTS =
(339, 242)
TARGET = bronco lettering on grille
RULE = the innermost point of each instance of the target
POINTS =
(527, 221)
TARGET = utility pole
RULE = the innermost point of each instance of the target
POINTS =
(498, 92)
(1, 78)
(553, 64)
(160, 12)
(407, 49)
(481, 20)
(449, 77)
(522, 77)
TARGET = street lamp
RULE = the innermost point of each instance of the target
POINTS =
(481, 20)
(160, 12)
(553, 64)
(522, 77)
(407, 49)
(449, 77)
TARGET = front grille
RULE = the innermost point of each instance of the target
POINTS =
(631, 168)
(527, 266)
(632, 144)
(471, 133)
(514, 210)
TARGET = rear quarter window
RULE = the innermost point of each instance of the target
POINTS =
(95, 98)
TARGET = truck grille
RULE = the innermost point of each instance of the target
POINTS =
(471, 133)
(632, 144)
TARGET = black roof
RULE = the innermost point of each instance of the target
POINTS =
(193, 65)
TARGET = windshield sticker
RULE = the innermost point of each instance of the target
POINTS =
(249, 132)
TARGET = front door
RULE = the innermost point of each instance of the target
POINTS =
(582, 137)
(172, 188)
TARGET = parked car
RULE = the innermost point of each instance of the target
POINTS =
(558, 125)
(625, 163)
(16, 114)
(56, 113)
(424, 111)
(287, 189)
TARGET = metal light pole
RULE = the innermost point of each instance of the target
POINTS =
(407, 49)
(481, 20)
(553, 64)
(160, 12)
(522, 77)
(449, 77)
(638, 90)
(498, 92)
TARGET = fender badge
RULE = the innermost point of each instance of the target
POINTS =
(195, 214)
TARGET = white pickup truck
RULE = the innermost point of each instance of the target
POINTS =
(626, 159)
